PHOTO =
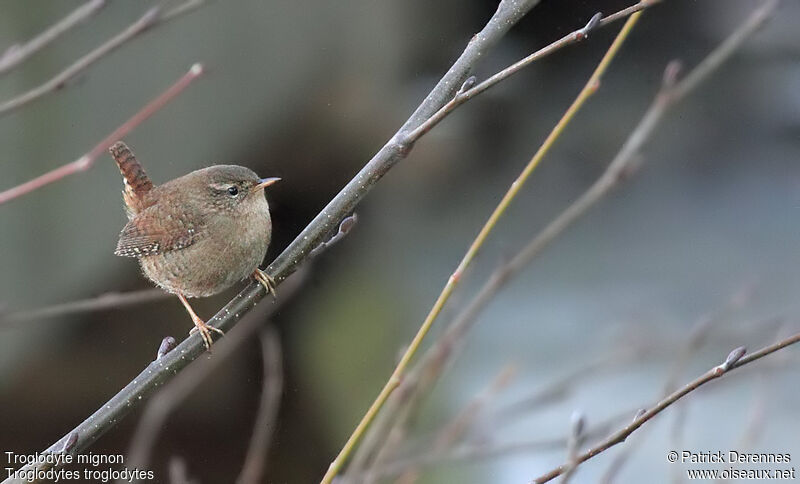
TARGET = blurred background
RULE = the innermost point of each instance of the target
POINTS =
(706, 230)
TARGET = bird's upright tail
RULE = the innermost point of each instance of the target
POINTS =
(137, 183)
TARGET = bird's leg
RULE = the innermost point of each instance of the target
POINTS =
(266, 280)
(199, 324)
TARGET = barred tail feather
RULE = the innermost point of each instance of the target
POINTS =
(137, 183)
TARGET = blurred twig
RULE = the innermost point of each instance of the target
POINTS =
(735, 359)
(400, 370)
(86, 161)
(178, 471)
(700, 331)
(473, 451)
(18, 53)
(454, 431)
(264, 426)
(110, 300)
(152, 18)
(561, 387)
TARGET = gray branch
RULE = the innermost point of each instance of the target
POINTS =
(157, 373)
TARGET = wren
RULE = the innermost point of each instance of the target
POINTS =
(198, 234)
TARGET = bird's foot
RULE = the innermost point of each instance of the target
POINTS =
(205, 330)
(267, 281)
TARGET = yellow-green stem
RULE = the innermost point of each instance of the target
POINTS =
(591, 86)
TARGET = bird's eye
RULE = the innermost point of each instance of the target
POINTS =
(233, 191)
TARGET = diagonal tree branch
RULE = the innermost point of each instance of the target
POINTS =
(160, 371)
(18, 53)
(152, 18)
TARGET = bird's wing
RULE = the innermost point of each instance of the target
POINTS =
(151, 233)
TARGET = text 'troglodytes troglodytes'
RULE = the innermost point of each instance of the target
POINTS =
(198, 234)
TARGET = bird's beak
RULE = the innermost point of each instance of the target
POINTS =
(265, 182)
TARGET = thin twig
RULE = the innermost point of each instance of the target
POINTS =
(734, 360)
(110, 300)
(152, 18)
(470, 89)
(400, 370)
(722, 53)
(264, 426)
(17, 54)
(453, 432)
(561, 387)
(86, 161)
(696, 337)
(700, 331)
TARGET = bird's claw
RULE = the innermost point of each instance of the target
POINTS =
(267, 281)
(205, 330)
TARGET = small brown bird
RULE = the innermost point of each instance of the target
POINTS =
(198, 234)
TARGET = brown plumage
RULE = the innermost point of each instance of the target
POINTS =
(198, 234)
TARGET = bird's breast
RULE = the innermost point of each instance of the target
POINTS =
(229, 248)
